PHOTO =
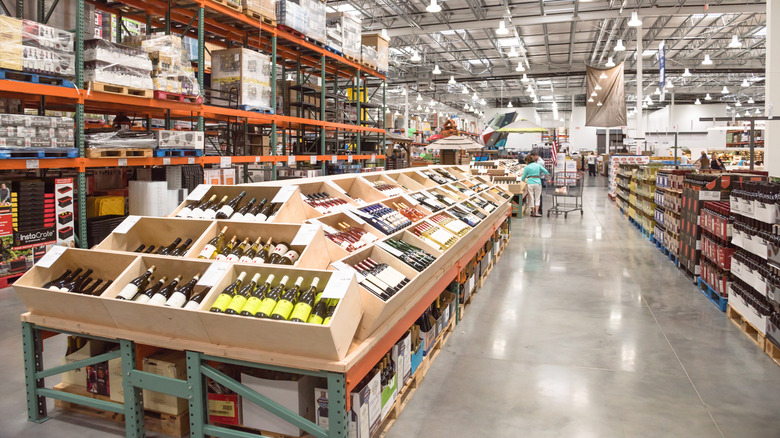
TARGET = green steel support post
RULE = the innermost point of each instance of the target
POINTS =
(168, 19)
(273, 103)
(40, 11)
(201, 63)
(134, 405)
(82, 176)
(323, 114)
(148, 24)
(198, 415)
(338, 424)
(32, 346)
(384, 121)
(457, 298)
(119, 26)
(20, 9)
(357, 93)
(51, 11)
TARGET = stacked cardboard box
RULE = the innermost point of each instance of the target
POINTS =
(243, 71)
(36, 48)
(381, 45)
(23, 131)
(351, 39)
(172, 71)
(266, 8)
(112, 63)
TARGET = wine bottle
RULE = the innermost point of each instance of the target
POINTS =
(195, 301)
(225, 251)
(251, 215)
(319, 312)
(240, 298)
(289, 258)
(255, 300)
(265, 213)
(149, 250)
(186, 211)
(269, 302)
(100, 291)
(58, 285)
(287, 300)
(58, 279)
(211, 212)
(91, 289)
(305, 303)
(239, 214)
(238, 251)
(161, 295)
(263, 255)
(181, 250)
(332, 304)
(198, 211)
(84, 285)
(147, 295)
(166, 250)
(180, 296)
(250, 254)
(222, 301)
(279, 251)
(75, 284)
(229, 208)
(139, 283)
(211, 248)
(140, 248)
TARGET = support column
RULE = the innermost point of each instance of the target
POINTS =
(772, 105)
(640, 125)
(406, 110)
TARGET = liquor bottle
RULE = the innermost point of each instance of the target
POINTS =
(166, 250)
(239, 300)
(239, 214)
(238, 251)
(140, 248)
(182, 249)
(75, 284)
(227, 294)
(100, 291)
(162, 295)
(147, 294)
(287, 300)
(269, 302)
(211, 211)
(59, 279)
(229, 208)
(251, 215)
(255, 300)
(149, 250)
(332, 304)
(319, 311)
(263, 255)
(182, 295)
(201, 208)
(195, 301)
(305, 303)
(139, 283)
(225, 251)
(250, 254)
(91, 289)
(279, 251)
(211, 248)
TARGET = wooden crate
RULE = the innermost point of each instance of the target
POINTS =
(156, 231)
(359, 189)
(291, 212)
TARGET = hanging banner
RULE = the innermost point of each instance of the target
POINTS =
(662, 65)
(607, 90)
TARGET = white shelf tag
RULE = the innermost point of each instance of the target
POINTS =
(213, 274)
(305, 234)
(291, 160)
(349, 158)
(51, 256)
(121, 162)
(199, 192)
(373, 158)
(313, 159)
(166, 161)
(334, 159)
(191, 160)
(284, 194)
(32, 164)
(126, 224)
(410, 200)
(225, 161)
(337, 284)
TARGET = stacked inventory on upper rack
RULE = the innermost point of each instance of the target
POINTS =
(310, 263)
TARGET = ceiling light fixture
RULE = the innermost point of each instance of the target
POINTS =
(465, 90)
(509, 105)
(725, 90)
(758, 111)
(525, 78)
(482, 101)
(594, 94)
(433, 7)
(415, 57)
(735, 42)
(751, 101)
(657, 91)
(419, 97)
(634, 21)
(745, 83)
(644, 105)
(502, 30)
(452, 80)
(687, 73)
(536, 100)
(513, 53)
(597, 87)
(610, 62)
(738, 104)
(436, 70)
(529, 89)
(619, 47)
(520, 67)
(698, 102)
(427, 110)
(419, 107)
(668, 84)
(707, 60)
(708, 97)
(475, 97)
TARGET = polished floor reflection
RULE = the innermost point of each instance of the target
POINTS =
(584, 329)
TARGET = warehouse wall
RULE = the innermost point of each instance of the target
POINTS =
(581, 136)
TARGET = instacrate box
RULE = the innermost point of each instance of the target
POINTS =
(84, 308)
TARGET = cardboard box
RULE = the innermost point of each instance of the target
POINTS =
(374, 403)
(389, 394)
(292, 394)
(97, 379)
(228, 176)
(225, 409)
(78, 376)
(417, 358)
(404, 363)
(321, 406)
(171, 364)
(212, 176)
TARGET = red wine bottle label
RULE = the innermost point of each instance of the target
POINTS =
(245, 259)
(237, 303)
(226, 210)
(223, 300)
(232, 258)
(280, 249)
(283, 308)
(208, 251)
(176, 300)
(252, 305)
(221, 257)
(301, 312)
(258, 260)
(128, 292)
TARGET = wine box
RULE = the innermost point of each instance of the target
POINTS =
(383, 179)
(417, 358)
(137, 230)
(322, 187)
(420, 179)
(299, 339)
(171, 364)
(93, 347)
(336, 252)
(395, 202)
(290, 212)
(405, 181)
(67, 305)
(359, 190)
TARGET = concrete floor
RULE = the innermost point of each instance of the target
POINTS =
(583, 330)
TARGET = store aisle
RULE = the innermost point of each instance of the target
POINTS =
(584, 329)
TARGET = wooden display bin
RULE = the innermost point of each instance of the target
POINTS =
(491, 196)
(476, 207)
(421, 179)
(322, 187)
(457, 172)
(358, 189)
(447, 213)
(155, 231)
(312, 256)
(85, 308)
(452, 191)
(394, 202)
(383, 179)
(160, 320)
(336, 252)
(405, 181)
(291, 212)
(447, 194)
(329, 342)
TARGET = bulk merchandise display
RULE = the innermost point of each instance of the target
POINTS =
(315, 283)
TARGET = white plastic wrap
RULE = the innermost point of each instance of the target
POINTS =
(350, 32)
(117, 74)
(113, 53)
(172, 71)
(368, 55)
(315, 19)
(291, 15)
(120, 140)
(246, 71)
(266, 8)
(24, 131)
(180, 139)
(35, 48)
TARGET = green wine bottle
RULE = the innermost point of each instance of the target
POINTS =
(239, 300)
(256, 299)
(305, 303)
(287, 301)
(269, 302)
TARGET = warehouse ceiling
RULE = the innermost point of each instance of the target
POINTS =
(554, 40)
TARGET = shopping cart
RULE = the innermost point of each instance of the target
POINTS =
(566, 192)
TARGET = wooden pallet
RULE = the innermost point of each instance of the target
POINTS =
(34, 78)
(259, 16)
(177, 97)
(166, 424)
(118, 153)
(772, 351)
(229, 4)
(38, 153)
(291, 31)
(352, 58)
(119, 89)
(746, 327)
(368, 65)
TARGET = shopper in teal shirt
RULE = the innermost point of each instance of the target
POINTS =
(533, 172)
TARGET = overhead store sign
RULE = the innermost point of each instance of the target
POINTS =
(662, 65)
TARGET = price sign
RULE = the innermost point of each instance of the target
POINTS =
(337, 284)
(482, 170)
(373, 158)
(291, 160)
(121, 162)
(334, 159)
(284, 194)
(51, 256)
(32, 164)
(213, 274)
(199, 192)
(126, 224)
(349, 158)
(305, 234)
(313, 159)
(225, 161)
(166, 161)
(191, 160)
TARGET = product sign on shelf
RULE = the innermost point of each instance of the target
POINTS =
(64, 211)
